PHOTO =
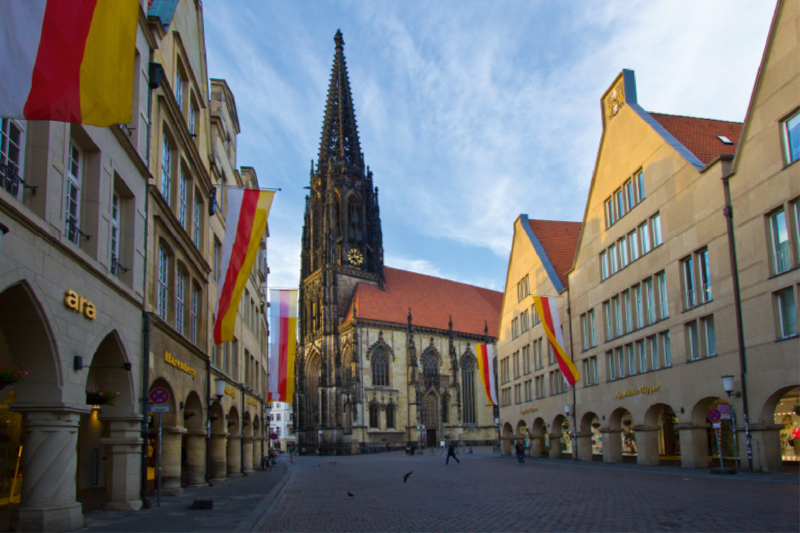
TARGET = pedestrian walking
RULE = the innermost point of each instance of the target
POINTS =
(451, 452)
(520, 453)
(290, 449)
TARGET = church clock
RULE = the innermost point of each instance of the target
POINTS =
(355, 257)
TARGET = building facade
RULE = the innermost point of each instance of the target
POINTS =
(360, 380)
(652, 292)
(281, 423)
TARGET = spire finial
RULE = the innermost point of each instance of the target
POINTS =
(339, 39)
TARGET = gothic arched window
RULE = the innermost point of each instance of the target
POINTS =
(373, 415)
(337, 215)
(380, 368)
(468, 383)
(353, 220)
(430, 366)
(389, 416)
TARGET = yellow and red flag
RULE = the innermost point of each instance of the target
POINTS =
(547, 308)
(283, 344)
(70, 61)
(485, 355)
(245, 224)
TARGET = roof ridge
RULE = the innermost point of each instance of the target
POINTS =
(443, 279)
(696, 118)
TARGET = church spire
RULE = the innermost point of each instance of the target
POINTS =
(339, 142)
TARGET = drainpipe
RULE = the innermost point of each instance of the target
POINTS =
(208, 415)
(241, 429)
(737, 300)
(574, 401)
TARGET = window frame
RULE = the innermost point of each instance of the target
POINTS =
(115, 234)
(6, 142)
(786, 132)
(781, 257)
(166, 169)
(658, 237)
(180, 297)
(784, 332)
(162, 293)
(73, 196)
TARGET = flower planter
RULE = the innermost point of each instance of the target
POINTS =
(101, 397)
(10, 376)
(627, 423)
(188, 414)
(596, 425)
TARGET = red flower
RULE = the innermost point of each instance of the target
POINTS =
(14, 376)
(16, 368)
(24, 373)
(1, 368)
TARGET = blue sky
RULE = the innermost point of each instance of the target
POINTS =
(469, 113)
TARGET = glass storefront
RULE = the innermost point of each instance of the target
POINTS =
(787, 413)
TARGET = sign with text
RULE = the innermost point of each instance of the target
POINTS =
(159, 408)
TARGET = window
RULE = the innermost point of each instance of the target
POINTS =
(278, 419)
(197, 213)
(609, 211)
(650, 300)
(529, 390)
(620, 203)
(708, 332)
(661, 281)
(73, 196)
(612, 367)
(693, 338)
(641, 355)
(179, 90)
(640, 186)
(667, 349)
(631, 359)
(689, 299)
(539, 383)
(505, 397)
(629, 196)
(527, 368)
(557, 383)
(705, 276)
(592, 334)
(617, 306)
(115, 205)
(390, 414)
(166, 169)
(787, 313)
(609, 320)
(468, 384)
(612, 254)
(637, 302)
(217, 259)
(517, 394)
(551, 356)
(537, 354)
(654, 360)
(633, 245)
(516, 364)
(534, 316)
(523, 288)
(246, 307)
(524, 319)
(163, 283)
(781, 261)
(193, 310)
(626, 303)
(11, 155)
(620, 355)
(791, 134)
(584, 332)
(590, 371)
(656, 220)
(380, 368)
(622, 244)
(603, 265)
(644, 237)
(373, 416)
(180, 291)
(192, 119)
(182, 198)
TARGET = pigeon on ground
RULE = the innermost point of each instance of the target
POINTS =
(349, 495)
(405, 478)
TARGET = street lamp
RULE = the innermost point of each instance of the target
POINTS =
(3, 231)
(567, 408)
(219, 388)
(727, 386)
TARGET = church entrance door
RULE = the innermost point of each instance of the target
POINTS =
(431, 442)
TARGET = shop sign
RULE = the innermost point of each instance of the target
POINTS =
(180, 365)
(251, 402)
(531, 410)
(79, 304)
(230, 392)
(641, 390)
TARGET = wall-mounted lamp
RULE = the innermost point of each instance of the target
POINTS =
(219, 389)
(567, 408)
(727, 385)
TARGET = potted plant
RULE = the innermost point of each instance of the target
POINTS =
(188, 413)
(626, 422)
(214, 417)
(9, 376)
(101, 397)
(231, 423)
(246, 424)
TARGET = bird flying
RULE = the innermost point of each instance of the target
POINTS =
(405, 478)
(349, 495)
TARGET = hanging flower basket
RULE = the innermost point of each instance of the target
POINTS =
(231, 423)
(595, 425)
(101, 397)
(214, 417)
(188, 413)
(246, 424)
(670, 418)
(565, 425)
(627, 422)
(9, 376)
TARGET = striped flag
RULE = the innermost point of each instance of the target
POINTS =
(485, 355)
(283, 344)
(547, 307)
(70, 61)
(245, 224)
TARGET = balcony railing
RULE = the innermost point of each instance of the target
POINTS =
(74, 233)
(781, 261)
(12, 181)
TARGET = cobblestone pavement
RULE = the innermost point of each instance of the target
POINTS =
(240, 504)
(488, 493)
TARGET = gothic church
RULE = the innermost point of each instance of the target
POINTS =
(385, 355)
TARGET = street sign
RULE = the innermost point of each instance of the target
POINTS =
(725, 409)
(159, 395)
(714, 415)
(159, 408)
(273, 436)
(717, 425)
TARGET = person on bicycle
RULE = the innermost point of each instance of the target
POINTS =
(451, 452)
(520, 449)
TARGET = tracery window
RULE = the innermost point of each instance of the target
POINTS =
(373, 415)
(468, 382)
(380, 368)
(353, 222)
(445, 410)
(430, 366)
(389, 416)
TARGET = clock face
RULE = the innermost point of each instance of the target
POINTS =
(355, 257)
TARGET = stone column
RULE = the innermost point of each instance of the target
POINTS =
(646, 446)
(219, 456)
(234, 455)
(555, 446)
(694, 446)
(195, 458)
(123, 449)
(536, 447)
(612, 445)
(247, 466)
(258, 443)
(171, 461)
(49, 463)
(766, 447)
(584, 446)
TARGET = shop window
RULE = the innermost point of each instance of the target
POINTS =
(787, 313)
(791, 136)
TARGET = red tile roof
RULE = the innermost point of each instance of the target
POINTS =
(431, 300)
(699, 135)
(559, 240)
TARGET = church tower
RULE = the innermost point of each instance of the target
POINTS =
(342, 245)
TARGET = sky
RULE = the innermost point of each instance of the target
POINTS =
(469, 113)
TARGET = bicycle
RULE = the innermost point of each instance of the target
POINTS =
(496, 448)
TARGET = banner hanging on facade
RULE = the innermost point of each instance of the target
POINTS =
(283, 344)
(547, 307)
(68, 61)
(245, 224)
(485, 355)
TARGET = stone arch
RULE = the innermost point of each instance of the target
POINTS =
(431, 354)
(587, 422)
(217, 418)
(27, 341)
(522, 430)
(507, 438)
(775, 428)
(192, 404)
(430, 409)
(170, 419)
(380, 368)
(772, 401)
(110, 355)
(616, 418)
(313, 372)
(234, 424)
(588, 436)
(380, 344)
(247, 429)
